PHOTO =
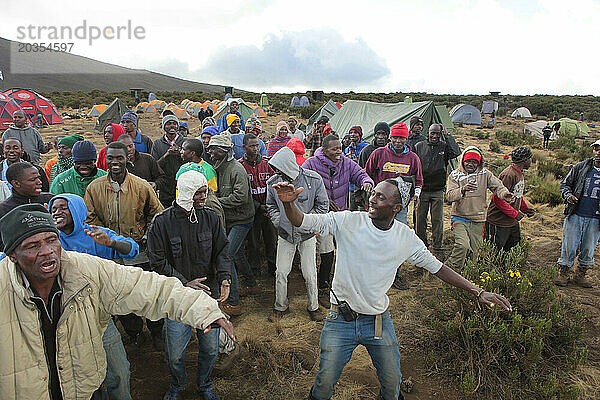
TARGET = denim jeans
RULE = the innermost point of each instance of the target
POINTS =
(579, 232)
(117, 365)
(236, 236)
(338, 340)
(177, 337)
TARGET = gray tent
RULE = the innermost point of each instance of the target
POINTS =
(329, 109)
(304, 101)
(367, 114)
(465, 114)
(151, 97)
(488, 106)
(295, 102)
(521, 112)
(112, 114)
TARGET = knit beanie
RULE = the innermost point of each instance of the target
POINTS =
(211, 130)
(69, 141)
(472, 154)
(399, 130)
(221, 141)
(22, 222)
(415, 120)
(169, 117)
(84, 151)
(357, 129)
(208, 121)
(130, 116)
(230, 118)
(188, 184)
(280, 125)
(382, 126)
(521, 154)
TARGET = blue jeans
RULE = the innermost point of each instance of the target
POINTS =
(236, 236)
(338, 340)
(579, 232)
(117, 365)
(177, 337)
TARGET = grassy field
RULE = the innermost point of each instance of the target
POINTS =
(280, 360)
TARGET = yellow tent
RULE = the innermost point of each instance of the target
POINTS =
(97, 109)
(158, 105)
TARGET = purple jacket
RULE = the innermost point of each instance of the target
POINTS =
(337, 176)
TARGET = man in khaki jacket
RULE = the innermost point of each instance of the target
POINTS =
(125, 204)
(55, 306)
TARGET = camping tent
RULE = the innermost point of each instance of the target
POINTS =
(445, 117)
(570, 127)
(304, 101)
(535, 129)
(158, 105)
(144, 107)
(7, 107)
(151, 96)
(97, 109)
(521, 112)
(257, 110)
(112, 114)
(465, 114)
(245, 109)
(264, 101)
(329, 109)
(35, 104)
(367, 114)
(408, 99)
(295, 102)
(489, 106)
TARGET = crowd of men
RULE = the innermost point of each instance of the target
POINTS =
(174, 232)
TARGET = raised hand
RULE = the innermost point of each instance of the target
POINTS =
(286, 192)
(99, 236)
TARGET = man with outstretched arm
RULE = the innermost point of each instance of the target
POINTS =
(359, 312)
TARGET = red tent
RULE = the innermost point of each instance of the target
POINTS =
(7, 107)
(33, 104)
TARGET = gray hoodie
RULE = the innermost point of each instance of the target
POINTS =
(31, 140)
(312, 200)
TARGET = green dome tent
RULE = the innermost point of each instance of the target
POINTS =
(329, 109)
(112, 114)
(244, 109)
(264, 101)
(570, 127)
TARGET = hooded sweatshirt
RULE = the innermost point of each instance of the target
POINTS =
(297, 146)
(118, 130)
(312, 200)
(337, 176)
(32, 141)
(472, 205)
(384, 163)
(81, 242)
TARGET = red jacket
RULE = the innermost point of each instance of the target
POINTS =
(258, 173)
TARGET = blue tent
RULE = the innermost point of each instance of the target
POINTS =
(304, 101)
(465, 114)
(295, 102)
(151, 97)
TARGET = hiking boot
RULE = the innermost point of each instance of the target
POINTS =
(315, 315)
(225, 360)
(399, 283)
(324, 298)
(580, 279)
(231, 310)
(563, 276)
(248, 290)
(276, 315)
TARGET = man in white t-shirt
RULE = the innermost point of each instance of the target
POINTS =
(363, 274)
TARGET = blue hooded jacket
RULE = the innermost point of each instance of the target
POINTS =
(80, 242)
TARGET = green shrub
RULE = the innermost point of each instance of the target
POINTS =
(544, 191)
(514, 139)
(548, 166)
(495, 146)
(523, 354)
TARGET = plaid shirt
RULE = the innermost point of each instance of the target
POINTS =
(275, 144)
(314, 142)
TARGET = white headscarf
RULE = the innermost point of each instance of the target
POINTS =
(187, 185)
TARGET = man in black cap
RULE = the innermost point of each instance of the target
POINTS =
(380, 139)
(502, 222)
(165, 151)
(55, 306)
(414, 136)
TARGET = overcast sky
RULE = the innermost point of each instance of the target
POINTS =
(436, 46)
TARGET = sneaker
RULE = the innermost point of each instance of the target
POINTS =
(580, 279)
(276, 315)
(231, 310)
(248, 290)
(210, 395)
(563, 276)
(172, 394)
(324, 298)
(399, 283)
(316, 315)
